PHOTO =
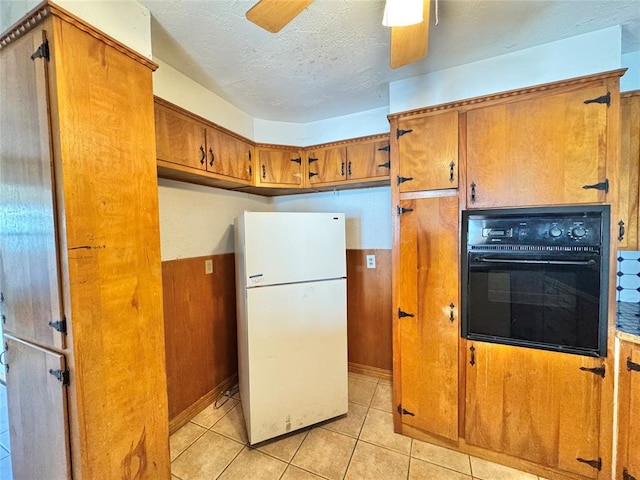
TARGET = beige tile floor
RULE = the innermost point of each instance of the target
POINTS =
(358, 446)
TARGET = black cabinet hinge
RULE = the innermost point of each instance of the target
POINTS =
(599, 186)
(312, 174)
(626, 475)
(597, 464)
(386, 148)
(600, 371)
(60, 325)
(632, 365)
(402, 210)
(42, 51)
(404, 179)
(297, 160)
(403, 411)
(61, 375)
(400, 132)
(385, 165)
(312, 159)
(606, 99)
(402, 314)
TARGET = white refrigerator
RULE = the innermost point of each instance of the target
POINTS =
(292, 320)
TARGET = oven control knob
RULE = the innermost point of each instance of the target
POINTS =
(555, 232)
(578, 232)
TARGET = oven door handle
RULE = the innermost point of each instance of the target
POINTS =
(584, 263)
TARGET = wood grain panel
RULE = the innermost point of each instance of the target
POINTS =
(200, 327)
(538, 151)
(369, 309)
(327, 165)
(280, 167)
(629, 412)
(534, 405)
(429, 293)
(629, 168)
(179, 139)
(105, 154)
(368, 159)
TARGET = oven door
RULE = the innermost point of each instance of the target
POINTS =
(552, 302)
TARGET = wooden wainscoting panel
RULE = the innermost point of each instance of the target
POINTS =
(200, 327)
(369, 309)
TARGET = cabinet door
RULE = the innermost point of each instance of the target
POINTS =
(629, 412)
(327, 165)
(534, 404)
(629, 170)
(279, 167)
(29, 270)
(228, 155)
(37, 405)
(428, 152)
(540, 151)
(428, 292)
(179, 139)
(368, 159)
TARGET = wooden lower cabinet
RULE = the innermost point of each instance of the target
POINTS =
(428, 306)
(628, 464)
(535, 405)
(34, 389)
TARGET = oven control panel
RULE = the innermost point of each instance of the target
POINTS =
(559, 230)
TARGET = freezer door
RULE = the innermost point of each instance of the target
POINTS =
(293, 368)
(293, 247)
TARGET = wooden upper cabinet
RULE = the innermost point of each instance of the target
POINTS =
(538, 151)
(428, 303)
(327, 165)
(29, 272)
(278, 167)
(228, 155)
(428, 152)
(179, 138)
(535, 405)
(629, 171)
(629, 412)
(368, 159)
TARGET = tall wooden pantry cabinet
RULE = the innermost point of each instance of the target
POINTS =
(80, 272)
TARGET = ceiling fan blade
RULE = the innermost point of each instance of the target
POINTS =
(409, 44)
(273, 15)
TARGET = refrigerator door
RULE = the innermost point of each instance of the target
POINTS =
(293, 359)
(292, 247)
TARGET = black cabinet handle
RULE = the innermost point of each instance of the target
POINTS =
(264, 172)
(621, 231)
(451, 307)
(451, 167)
(473, 192)
(204, 155)
(212, 159)
(349, 168)
(342, 169)
(473, 355)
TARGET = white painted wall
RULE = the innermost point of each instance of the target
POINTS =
(367, 213)
(177, 88)
(125, 20)
(196, 221)
(631, 79)
(573, 57)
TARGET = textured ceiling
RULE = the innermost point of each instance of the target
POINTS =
(333, 59)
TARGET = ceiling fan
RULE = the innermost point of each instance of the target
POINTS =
(408, 44)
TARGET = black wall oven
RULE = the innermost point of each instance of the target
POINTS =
(537, 277)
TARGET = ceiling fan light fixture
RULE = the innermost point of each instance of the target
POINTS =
(400, 13)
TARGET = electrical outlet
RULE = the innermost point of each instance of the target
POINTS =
(371, 261)
(208, 266)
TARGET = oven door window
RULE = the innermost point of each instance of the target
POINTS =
(541, 302)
